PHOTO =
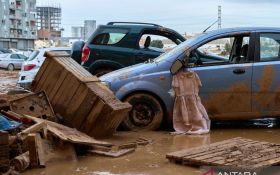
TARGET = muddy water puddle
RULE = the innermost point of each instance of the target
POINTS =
(150, 159)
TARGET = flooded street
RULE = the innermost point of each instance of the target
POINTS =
(8, 80)
(150, 159)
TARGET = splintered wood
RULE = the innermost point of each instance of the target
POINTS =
(80, 98)
(239, 153)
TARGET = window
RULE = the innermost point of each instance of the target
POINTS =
(218, 50)
(109, 37)
(156, 43)
(22, 57)
(269, 47)
(14, 56)
(227, 50)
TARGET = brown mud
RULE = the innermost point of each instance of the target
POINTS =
(150, 159)
(8, 80)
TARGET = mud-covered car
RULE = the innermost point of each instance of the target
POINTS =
(121, 44)
(238, 67)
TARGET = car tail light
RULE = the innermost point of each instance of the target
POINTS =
(28, 67)
(85, 54)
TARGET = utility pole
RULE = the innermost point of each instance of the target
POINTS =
(219, 17)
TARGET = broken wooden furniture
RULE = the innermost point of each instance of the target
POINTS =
(4, 150)
(64, 133)
(80, 98)
(237, 153)
(37, 105)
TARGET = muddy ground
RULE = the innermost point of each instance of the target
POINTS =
(150, 159)
(8, 79)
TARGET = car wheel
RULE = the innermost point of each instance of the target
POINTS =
(101, 71)
(11, 67)
(146, 113)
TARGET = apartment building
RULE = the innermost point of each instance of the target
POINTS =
(18, 24)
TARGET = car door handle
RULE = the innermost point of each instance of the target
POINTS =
(239, 71)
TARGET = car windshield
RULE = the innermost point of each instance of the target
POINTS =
(33, 55)
(177, 51)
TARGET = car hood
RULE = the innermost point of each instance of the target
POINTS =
(135, 71)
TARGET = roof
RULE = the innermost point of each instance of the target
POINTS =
(244, 29)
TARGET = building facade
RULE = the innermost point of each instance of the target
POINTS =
(89, 27)
(18, 24)
(49, 22)
(78, 32)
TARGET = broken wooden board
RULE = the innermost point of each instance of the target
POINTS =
(36, 105)
(36, 150)
(238, 153)
(113, 154)
(4, 138)
(4, 156)
(80, 98)
(5, 99)
(66, 134)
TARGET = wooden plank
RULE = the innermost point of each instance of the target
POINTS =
(237, 153)
(84, 109)
(38, 84)
(40, 73)
(211, 147)
(31, 146)
(75, 103)
(69, 134)
(89, 121)
(57, 86)
(4, 138)
(65, 94)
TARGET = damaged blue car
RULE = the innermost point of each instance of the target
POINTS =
(238, 68)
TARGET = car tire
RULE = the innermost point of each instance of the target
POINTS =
(101, 71)
(146, 113)
(11, 67)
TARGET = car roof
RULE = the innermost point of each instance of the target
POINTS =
(4, 55)
(138, 26)
(243, 29)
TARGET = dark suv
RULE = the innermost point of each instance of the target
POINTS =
(121, 44)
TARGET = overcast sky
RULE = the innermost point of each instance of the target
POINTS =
(180, 15)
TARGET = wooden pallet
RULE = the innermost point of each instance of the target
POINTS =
(238, 153)
(80, 98)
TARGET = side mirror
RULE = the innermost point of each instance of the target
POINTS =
(176, 66)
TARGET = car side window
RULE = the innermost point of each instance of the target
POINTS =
(14, 56)
(108, 37)
(22, 57)
(156, 43)
(215, 51)
(269, 47)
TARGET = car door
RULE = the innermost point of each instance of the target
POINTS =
(22, 58)
(16, 60)
(266, 83)
(226, 89)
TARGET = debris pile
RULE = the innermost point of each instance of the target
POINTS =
(78, 97)
(67, 109)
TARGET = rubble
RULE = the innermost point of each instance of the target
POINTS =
(63, 92)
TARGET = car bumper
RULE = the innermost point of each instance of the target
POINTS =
(26, 78)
